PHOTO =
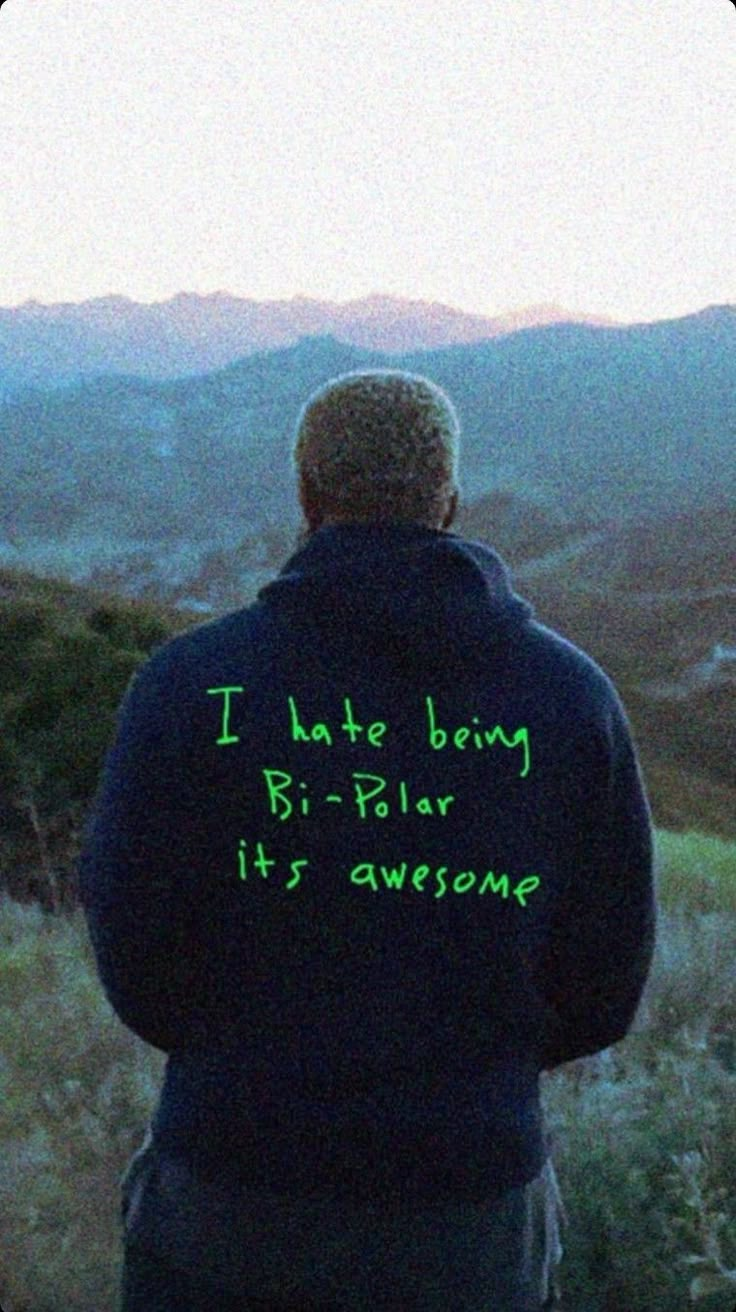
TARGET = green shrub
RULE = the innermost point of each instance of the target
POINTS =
(129, 626)
(62, 678)
(696, 872)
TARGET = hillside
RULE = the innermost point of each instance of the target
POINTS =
(654, 604)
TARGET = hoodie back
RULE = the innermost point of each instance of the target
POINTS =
(366, 857)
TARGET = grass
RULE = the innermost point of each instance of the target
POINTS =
(645, 1132)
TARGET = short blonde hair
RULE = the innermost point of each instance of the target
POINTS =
(379, 445)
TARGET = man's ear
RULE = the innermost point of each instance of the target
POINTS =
(308, 502)
(451, 510)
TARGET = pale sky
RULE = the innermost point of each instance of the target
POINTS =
(487, 155)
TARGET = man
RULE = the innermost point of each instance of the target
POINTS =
(367, 857)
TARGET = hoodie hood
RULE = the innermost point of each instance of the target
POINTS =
(398, 589)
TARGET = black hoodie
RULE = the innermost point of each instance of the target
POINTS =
(414, 872)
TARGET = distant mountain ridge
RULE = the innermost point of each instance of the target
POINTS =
(589, 424)
(189, 334)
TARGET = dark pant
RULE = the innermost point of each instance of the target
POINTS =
(191, 1245)
(149, 1285)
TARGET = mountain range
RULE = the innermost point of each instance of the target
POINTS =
(589, 423)
(48, 345)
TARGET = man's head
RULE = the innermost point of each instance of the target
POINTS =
(382, 446)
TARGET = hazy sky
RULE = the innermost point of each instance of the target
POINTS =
(487, 155)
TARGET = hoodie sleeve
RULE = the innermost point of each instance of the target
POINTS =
(139, 844)
(602, 941)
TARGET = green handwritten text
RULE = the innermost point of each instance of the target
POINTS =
(369, 875)
(439, 738)
(368, 797)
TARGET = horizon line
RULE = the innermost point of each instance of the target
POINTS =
(300, 297)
